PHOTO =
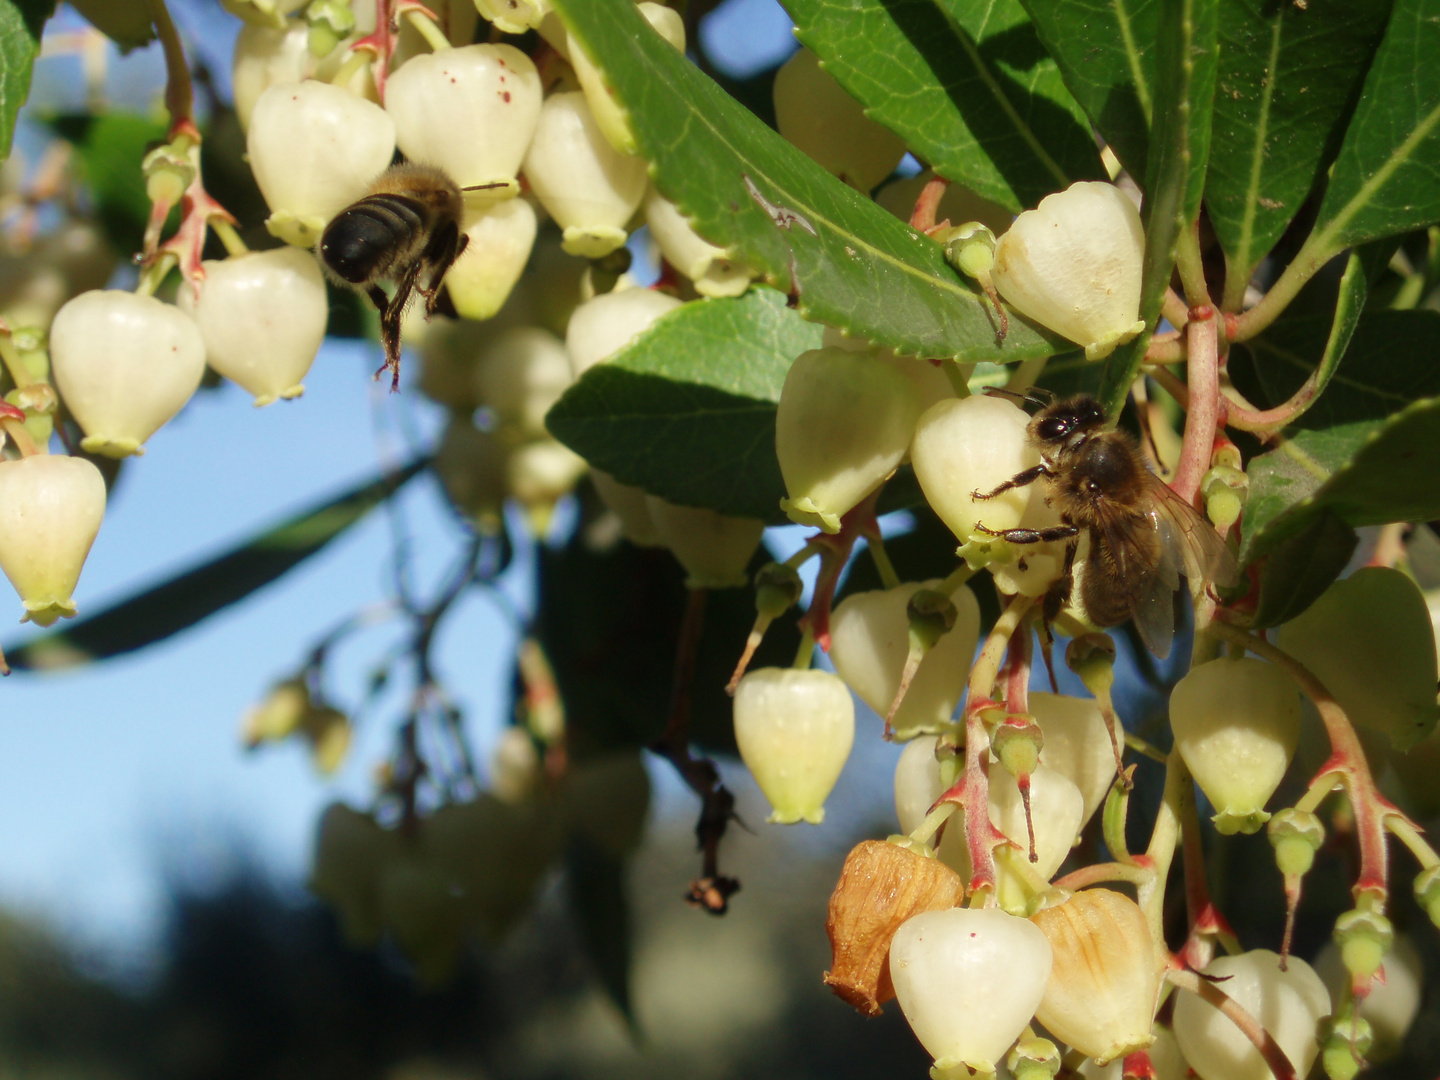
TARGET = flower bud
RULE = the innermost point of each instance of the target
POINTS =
(1225, 489)
(609, 114)
(1364, 936)
(514, 16)
(1296, 836)
(263, 57)
(538, 473)
(1077, 745)
(351, 852)
(629, 504)
(778, 588)
(279, 714)
(449, 350)
(125, 364)
(843, 425)
(50, 511)
(881, 885)
(1236, 724)
(1290, 1003)
(1394, 999)
(1017, 743)
(968, 981)
(713, 548)
(520, 375)
(328, 732)
(1073, 264)
(794, 729)
(315, 149)
(1347, 1046)
(870, 643)
(713, 272)
(262, 316)
(1427, 892)
(514, 765)
(817, 116)
(976, 444)
(589, 188)
(1370, 640)
(500, 238)
(1104, 985)
(472, 111)
(601, 327)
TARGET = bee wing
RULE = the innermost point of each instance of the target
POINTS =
(1191, 541)
(1146, 569)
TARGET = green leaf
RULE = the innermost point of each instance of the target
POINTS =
(1386, 178)
(845, 260)
(125, 22)
(1366, 451)
(1288, 80)
(975, 94)
(687, 410)
(1105, 50)
(1301, 568)
(596, 881)
(21, 24)
(1175, 178)
(184, 600)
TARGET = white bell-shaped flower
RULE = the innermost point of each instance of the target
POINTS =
(472, 467)
(629, 504)
(1236, 724)
(602, 326)
(1103, 988)
(514, 16)
(589, 188)
(1073, 264)
(539, 473)
(606, 110)
(520, 375)
(919, 782)
(262, 316)
(501, 236)
(472, 111)
(968, 981)
(351, 853)
(844, 423)
(264, 56)
(315, 149)
(1373, 621)
(1289, 1004)
(713, 548)
(976, 444)
(870, 644)
(816, 115)
(50, 511)
(448, 351)
(712, 271)
(1056, 809)
(125, 364)
(794, 729)
(1076, 744)
(1164, 1054)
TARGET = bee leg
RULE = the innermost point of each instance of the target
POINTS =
(1033, 536)
(1029, 476)
(447, 247)
(390, 326)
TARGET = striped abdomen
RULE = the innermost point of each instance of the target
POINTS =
(369, 238)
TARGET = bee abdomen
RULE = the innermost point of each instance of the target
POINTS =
(369, 237)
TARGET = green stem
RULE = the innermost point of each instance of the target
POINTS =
(883, 566)
(228, 236)
(805, 655)
(1164, 838)
(155, 273)
(1192, 270)
(959, 376)
(432, 34)
(179, 96)
(19, 373)
(1312, 256)
(350, 68)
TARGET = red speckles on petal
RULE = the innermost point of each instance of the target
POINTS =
(506, 96)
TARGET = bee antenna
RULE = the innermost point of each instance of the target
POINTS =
(1000, 391)
(485, 187)
(1036, 395)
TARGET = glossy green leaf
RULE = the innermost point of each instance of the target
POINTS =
(974, 94)
(1175, 177)
(178, 604)
(687, 410)
(598, 900)
(1302, 567)
(125, 22)
(1105, 50)
(1386, 178)
(1288, 80)
(845, 260)
(1366, 451)
(21, 24)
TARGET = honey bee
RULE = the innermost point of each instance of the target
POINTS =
(1130, 537)
(405, 230)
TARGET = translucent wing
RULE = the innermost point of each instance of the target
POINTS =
(1145, 571)
(1190, 540)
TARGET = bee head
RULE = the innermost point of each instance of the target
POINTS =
(1068, 420)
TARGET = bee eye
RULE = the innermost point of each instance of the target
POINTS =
(1054, 428)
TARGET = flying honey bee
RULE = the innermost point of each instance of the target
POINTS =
(405, 230)
(1130, 537)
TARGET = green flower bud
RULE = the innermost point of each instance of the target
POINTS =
(1345, 1047)
(1017, 743)
(777, 589)
(1092, 657)
(970, 248)
(1296, 835)
(1364, 937)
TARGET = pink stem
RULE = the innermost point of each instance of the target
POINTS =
(1203, 418)
(923, 216)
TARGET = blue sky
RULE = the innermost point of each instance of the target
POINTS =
(121, 773)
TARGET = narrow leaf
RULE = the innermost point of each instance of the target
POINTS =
(125, 22)
(178, 604)
(843, 259)
(687, 410)
(1175, 180)
(1384, 180)
(975, 94)
(601, 908)
(1105, 50)
(1288, 80)
(21, 24)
